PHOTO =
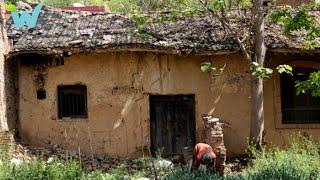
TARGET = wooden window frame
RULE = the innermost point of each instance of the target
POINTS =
(60, 111)
(277, 97)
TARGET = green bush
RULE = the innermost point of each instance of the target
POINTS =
(300, 161)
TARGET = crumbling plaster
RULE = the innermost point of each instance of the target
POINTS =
(118, 86)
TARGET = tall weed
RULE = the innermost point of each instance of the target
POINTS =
(39, 170)
(299, 161)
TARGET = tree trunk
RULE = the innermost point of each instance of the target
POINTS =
(257, 113)
(3, 119)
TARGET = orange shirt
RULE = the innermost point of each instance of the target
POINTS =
(199, 150)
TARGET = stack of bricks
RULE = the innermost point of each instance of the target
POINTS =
(6, 144)
(214, 137)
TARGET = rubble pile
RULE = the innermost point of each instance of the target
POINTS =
(26, 153)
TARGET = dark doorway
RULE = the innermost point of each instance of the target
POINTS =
(172, 123)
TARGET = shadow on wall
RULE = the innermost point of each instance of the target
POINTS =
(11, 94)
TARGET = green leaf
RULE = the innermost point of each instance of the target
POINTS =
(299, 19)
(312, 85)
(206, 67)
(289, 68)
(284, 69)
(255, 64)
(260, 71)
(281, 70)
(10, 7)
(268, 71)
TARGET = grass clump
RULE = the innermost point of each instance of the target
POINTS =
(300, 161)
(122, 172)
(39, 170)
(184, 173)
(140, 168)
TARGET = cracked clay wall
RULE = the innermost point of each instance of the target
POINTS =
(118, 87)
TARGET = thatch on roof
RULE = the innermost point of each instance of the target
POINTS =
(59, 31)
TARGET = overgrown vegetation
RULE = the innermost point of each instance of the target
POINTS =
(54, 168)
(301, 20)
(299, 161)
(40, 170)
(185, 174)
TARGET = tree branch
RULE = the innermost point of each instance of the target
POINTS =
(229, 30)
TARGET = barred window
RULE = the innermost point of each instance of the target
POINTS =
(72, 101)
(298, 109)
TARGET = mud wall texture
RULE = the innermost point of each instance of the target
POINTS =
(118, 88)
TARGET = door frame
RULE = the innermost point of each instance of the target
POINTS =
(170, 97)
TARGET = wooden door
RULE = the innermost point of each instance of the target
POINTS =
(172, 123)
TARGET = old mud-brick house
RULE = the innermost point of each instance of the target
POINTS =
(88, 81)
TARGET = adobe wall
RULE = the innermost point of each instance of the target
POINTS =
(118, 86)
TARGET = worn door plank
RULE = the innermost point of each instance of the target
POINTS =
(172, 123)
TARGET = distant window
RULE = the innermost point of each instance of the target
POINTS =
(301, 109)
(72, 101)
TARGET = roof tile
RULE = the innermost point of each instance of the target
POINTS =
(60, 29)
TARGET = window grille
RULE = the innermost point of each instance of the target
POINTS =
(72, 101)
